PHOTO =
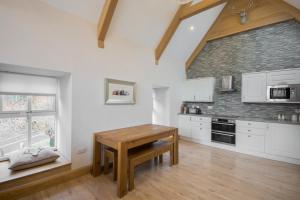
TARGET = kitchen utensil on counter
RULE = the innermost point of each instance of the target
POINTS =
(294, 117)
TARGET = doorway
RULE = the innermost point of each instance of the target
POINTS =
(161, 106)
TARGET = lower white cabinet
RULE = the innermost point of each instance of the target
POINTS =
(270, 140)
(250, 136)
(201, 132)
(195, 127)
(250, 142)
(185, 128)
(283, 140)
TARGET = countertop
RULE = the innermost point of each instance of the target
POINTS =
(254, 119)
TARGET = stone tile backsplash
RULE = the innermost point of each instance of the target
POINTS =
(269, 48)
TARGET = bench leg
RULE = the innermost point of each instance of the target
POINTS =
(131, 176)
(171, 156)
(115, 167)
(155, 160)
(106, 163)
(161, 158)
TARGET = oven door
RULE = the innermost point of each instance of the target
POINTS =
(280, 93)
(223, 127)
(223, 137)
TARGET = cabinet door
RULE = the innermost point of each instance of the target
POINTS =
(254, 87)
(283, 140)
(198, 90)
(200, 133)
(284, 77)
(184, 126)
(205, 89)
(250, 142)
(188, 91)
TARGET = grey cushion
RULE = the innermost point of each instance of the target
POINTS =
(30, 158)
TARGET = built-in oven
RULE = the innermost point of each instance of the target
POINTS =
(284, 93)
(223, 130)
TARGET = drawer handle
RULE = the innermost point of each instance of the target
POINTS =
(249, 130)
(249, 135)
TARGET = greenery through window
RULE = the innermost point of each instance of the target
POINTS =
(27, 120)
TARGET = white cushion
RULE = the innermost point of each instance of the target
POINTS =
(30, 158)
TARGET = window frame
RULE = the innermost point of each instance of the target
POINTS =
(29, 114)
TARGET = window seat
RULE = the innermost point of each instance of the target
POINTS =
(9, 180)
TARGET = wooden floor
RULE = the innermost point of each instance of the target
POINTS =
(203, 173)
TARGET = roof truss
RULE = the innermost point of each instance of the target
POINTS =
(183, 12)
(105, 20)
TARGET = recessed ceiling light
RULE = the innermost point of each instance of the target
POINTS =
(192, 28)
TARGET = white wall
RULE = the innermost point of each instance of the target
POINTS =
(37, 35)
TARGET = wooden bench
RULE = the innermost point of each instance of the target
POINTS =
(138, 156)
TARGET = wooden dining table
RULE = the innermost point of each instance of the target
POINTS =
(127, 138)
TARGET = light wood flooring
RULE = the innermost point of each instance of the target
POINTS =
(203, 173)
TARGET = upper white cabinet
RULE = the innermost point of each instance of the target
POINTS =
(283, 77)
(198, 90)
(283, 140)
(254, 87)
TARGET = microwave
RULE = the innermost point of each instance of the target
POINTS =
(284, 93)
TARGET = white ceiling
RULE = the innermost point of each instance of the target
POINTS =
(144, 21)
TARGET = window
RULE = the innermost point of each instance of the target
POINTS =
(27, 120)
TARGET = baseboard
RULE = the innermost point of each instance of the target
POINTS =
(42, 184)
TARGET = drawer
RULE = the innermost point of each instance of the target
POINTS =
(200, 119)
(250, 130)
(205, 125)
(250, 142)
(251, 124)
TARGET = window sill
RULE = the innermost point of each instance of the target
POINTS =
(10, 179)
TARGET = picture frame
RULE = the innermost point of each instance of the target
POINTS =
(118, 92)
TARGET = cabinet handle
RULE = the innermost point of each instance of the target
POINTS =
(249, 130)
(249, 135)
(249, 124)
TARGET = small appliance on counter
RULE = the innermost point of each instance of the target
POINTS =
(194, 110)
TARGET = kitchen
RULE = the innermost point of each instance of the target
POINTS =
(249, 103)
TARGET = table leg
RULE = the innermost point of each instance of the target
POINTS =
(175, 147)
(122, 169)
(97, 156)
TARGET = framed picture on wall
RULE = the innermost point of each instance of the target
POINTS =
(119, 92)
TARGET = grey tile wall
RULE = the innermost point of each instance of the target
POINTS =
(269, 48)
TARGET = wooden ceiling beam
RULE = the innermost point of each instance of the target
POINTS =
(288, 8)
(183, 12)
(169, 33)
(199, 7)
(105, 20)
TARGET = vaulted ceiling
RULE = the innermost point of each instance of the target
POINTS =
(144, 22)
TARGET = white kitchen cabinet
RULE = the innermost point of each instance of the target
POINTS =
(195, 127)
(283, 140)
(250, 136)
(184, 126)
(198, 90)
(200, 133)
(254, 87)
(283, 77)
(250, 142)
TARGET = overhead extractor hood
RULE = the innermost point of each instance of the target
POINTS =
(227, 84)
